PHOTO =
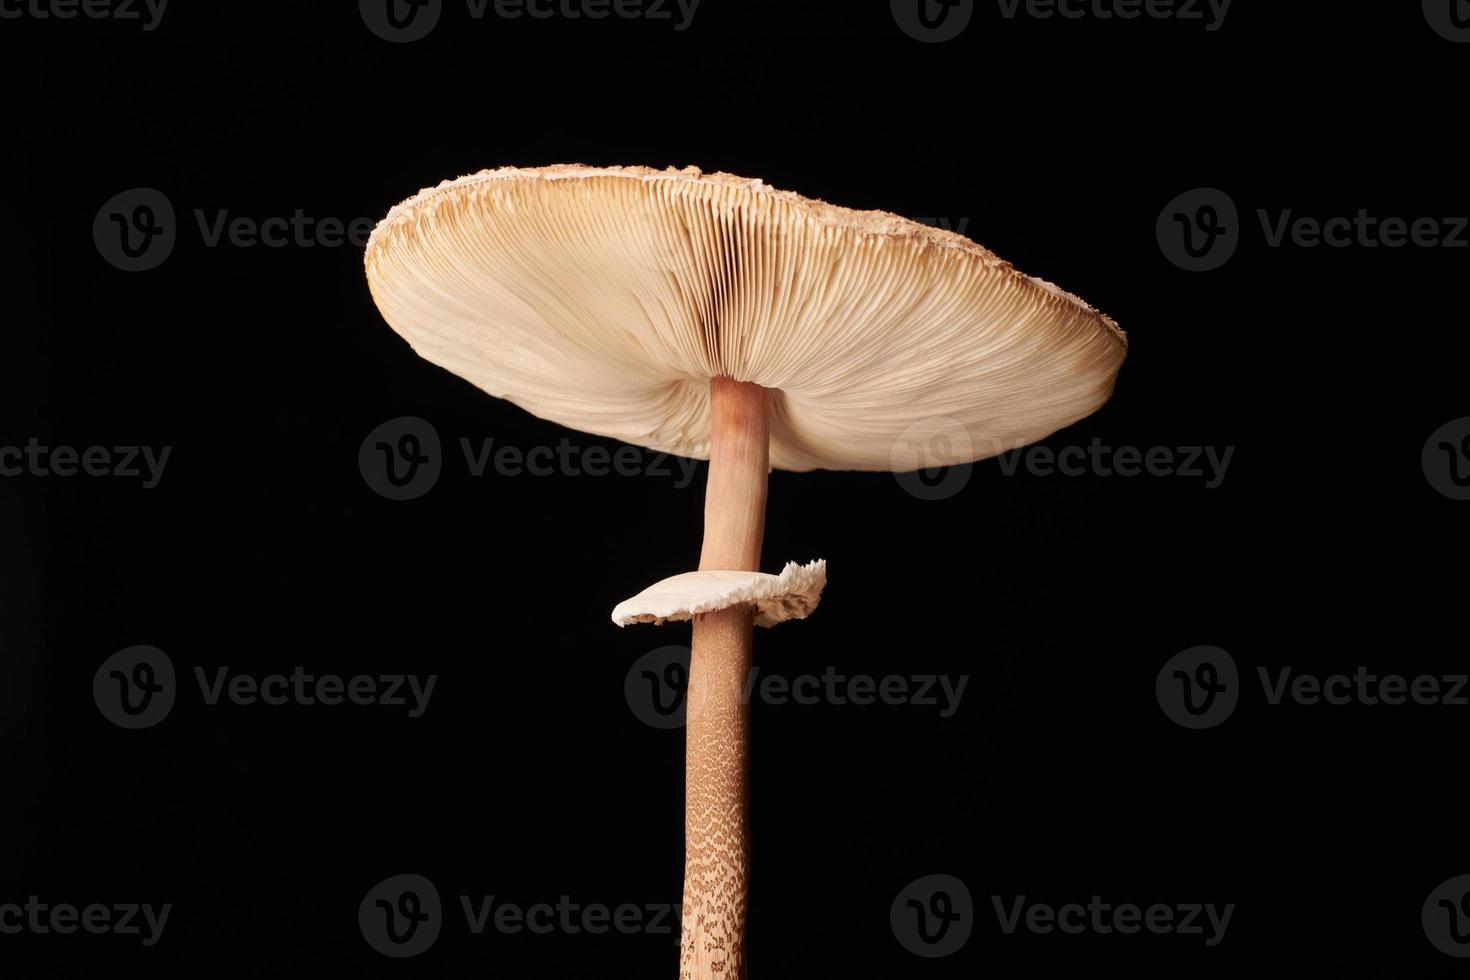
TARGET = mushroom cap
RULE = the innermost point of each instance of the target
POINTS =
(606, 298)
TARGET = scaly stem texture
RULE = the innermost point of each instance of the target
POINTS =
(717, 729)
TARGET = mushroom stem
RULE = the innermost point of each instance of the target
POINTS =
(717, 729)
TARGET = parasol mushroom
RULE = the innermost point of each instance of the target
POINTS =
(715, 317)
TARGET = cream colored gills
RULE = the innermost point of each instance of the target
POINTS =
(604, 299)
(715, 317)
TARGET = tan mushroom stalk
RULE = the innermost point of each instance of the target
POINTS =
(717, 725)
(715, 317)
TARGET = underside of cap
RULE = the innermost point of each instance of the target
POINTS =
(607, 298)
(791, 595)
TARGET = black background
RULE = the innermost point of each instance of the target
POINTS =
(528, 778)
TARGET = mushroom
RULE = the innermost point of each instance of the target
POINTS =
(714, 317)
